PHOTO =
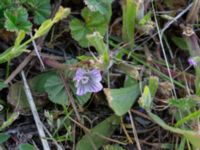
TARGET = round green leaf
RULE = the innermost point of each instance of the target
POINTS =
(93, 21)
(56, 91)
(17, 19)
(26, 147)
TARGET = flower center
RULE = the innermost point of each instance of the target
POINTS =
(85, 79)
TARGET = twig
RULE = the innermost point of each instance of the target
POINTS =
(74, 136)
(70, 97)
(140, 114)
(72, 101)
(125, 131)
(38, 122)
(193, 14)
(55, 142)
(37, 51)
(134, 132)
(52, 57)
(25, 62)
(163, 50)
(174, 19)
(19, 68)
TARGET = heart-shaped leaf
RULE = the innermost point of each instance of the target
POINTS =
(121, 100)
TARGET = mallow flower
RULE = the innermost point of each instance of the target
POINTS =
(87, 81)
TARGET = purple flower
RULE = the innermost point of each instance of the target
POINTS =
(192, 61)
(88, 81)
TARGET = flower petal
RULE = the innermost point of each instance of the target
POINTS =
(79, 74)
(93, 84)
(95, 75)
(81, 90)
(94, 87)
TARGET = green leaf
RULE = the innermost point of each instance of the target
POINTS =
(79, 32)
(61, 14)
(146, 99)
(93, 21)
(192, 136)
(44, 28)
(93, 138)
(11, 53)
(3, 85)
(166, 146)
(181, 146)
(145, 19)
(17, 19)
(129, 81)
(149, 93)
(20, 37)
(4, 4)
(83, 99)
(37, 83)
(197, 81)
(46, 25)
(56, 91)
(187, 118)
(4, 137)
(23, 1)
(129, 12)
(17, 96)
(96, 40)
(17, 49)
(9, 121)
(26, 147)
(130, 70)
(103, 6)
(153, 85)
(121, 100)
(41, 10)
(182, 103)
(180, 42)
(80, 99)
(145, 102)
